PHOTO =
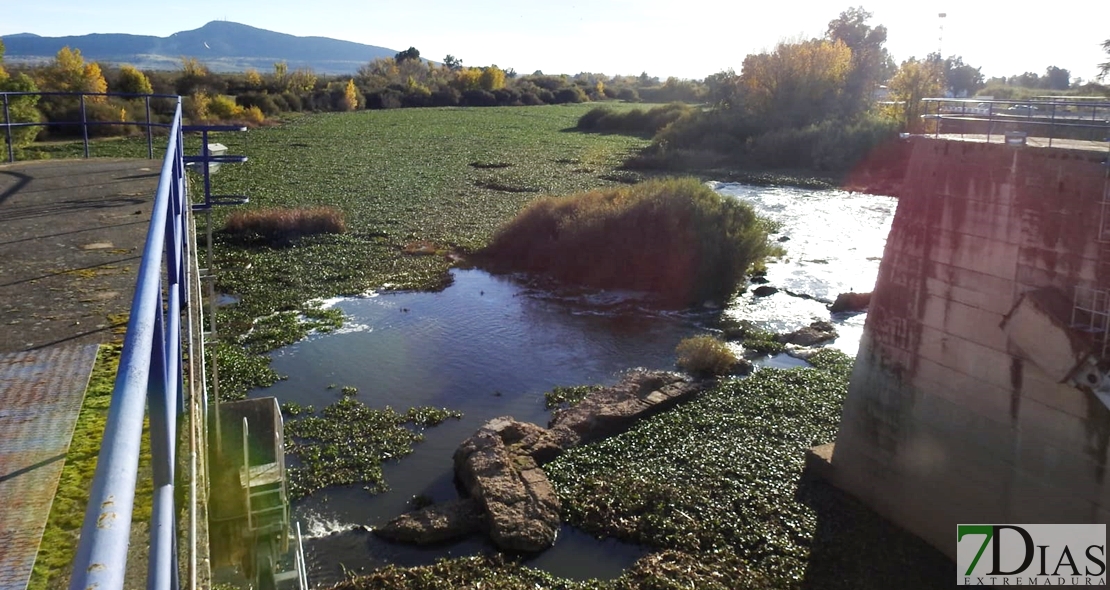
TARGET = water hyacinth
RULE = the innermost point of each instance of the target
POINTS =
(348, 442)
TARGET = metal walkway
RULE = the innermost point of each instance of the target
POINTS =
(40, 396)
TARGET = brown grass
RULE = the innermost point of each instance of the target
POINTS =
(283, 225)
(705, 355)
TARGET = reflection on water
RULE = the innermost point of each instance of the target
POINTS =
(491, 346)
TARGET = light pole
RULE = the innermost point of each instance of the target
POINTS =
(940, 40)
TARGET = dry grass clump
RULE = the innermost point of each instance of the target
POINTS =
(705, 355)
(673, 237)
(280, 225)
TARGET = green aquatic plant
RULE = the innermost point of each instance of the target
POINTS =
(348, 442)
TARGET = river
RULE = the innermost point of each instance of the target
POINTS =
(492, 345)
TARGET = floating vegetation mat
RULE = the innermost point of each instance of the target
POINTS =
(348, 442)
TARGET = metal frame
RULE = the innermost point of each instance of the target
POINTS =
(1052, 114)
(148, 124)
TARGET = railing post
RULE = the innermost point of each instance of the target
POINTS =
(149, 129)
(84, 126)
(8, 129)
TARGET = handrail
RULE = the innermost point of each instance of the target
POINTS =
(1053, 119)
(149, 124)
(149, 370)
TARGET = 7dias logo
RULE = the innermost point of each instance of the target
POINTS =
(1031, 554)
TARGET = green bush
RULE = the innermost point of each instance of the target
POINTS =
(673, 237)
(570, 94)
(634, 122)
(705, 355)
(831, 145)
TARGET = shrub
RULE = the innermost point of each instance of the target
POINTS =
(628, 95)
(673, 237)
(479, 98)
(446, 97)
(282, 225)
(265, 103)
(293, 100)
(570, 94)
(636, 121)
(705, 355)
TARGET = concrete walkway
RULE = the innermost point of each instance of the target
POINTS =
(71, 237)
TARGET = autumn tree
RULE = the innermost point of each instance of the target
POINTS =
(253, 78)
(797, 83)
(915, 81)
(193, 77)
(350, 96)
(68, 72)
(132, 81)
(451, 62)
(491, 78)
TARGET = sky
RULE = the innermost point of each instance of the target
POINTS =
(687, 39)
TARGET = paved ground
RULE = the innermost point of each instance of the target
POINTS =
(71, 236)
(40, 395)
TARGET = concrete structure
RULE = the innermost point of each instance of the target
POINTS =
(963, 406)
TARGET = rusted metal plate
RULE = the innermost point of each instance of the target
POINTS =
(40, 395)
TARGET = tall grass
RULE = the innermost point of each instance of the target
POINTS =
(280, 225)
(673, 237)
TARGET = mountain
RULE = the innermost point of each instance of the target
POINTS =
(222, 46)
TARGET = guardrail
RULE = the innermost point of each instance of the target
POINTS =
(1051, 118)
(149, 371)
(7, 100)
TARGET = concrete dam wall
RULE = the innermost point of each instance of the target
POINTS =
(963, 406)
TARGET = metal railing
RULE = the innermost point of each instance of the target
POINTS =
(149, 372)
(149, 124)
(1051, 118)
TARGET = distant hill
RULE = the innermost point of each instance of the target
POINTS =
(222, 46)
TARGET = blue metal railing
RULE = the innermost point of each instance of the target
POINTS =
(149, 371)
(7, 100)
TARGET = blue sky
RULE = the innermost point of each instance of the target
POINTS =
(691, 38)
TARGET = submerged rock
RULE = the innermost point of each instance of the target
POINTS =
(435, 524)
(613, 409)
(521, 507)
(850, 302)
(811, 335)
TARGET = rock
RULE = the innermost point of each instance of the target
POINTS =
(521, 507)
(765, 290)
(760, 280)
(784, 238)
(435, 524)
(850, 302)
(811, 335)
(612, 410)
(743, 367)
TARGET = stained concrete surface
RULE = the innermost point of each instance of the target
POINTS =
(71, 238)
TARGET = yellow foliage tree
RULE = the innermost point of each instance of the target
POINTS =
(350, 96)
(68, 72)
(915, 80)
(254, 79)
(492, 78)
(191, 67)
(468, 78)
(798, 83)
(133, 81)
(302, 80)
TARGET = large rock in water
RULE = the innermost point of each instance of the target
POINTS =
(521, 507)
(435, 524)
(813, 334)
(850, 302)
(612, 410)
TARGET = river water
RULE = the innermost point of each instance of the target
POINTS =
(492, 345)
